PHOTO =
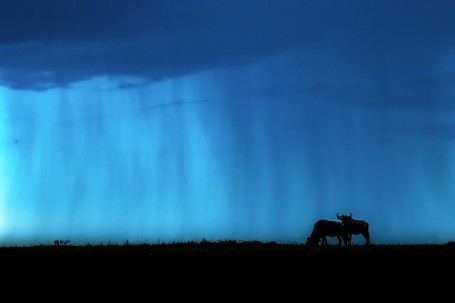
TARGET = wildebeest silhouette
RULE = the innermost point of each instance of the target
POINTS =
(323, 229)
(355, 227)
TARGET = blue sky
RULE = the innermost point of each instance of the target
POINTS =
(183, 120)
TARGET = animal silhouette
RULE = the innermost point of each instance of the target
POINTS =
(323, 229)
(355, 227)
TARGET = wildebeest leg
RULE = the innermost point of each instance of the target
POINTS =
(367, 238)
(324, 241)
(339, 241)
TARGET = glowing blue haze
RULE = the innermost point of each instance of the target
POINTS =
(240, 154)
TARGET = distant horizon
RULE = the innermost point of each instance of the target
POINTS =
(332, 242)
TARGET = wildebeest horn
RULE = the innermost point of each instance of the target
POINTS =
(338, 216)
(350, 215)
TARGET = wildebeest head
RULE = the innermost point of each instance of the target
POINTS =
(312, 241)
(345, 219)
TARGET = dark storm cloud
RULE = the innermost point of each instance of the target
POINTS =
(74, 40)
(45, 44)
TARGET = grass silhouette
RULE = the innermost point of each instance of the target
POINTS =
(227, 250)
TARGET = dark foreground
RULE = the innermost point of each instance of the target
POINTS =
(240, 263)
(229, 250)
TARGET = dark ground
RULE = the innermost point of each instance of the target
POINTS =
(230, 265)
(229, 250)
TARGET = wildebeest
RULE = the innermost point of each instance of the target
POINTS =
(323, 229)
(355, 227)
